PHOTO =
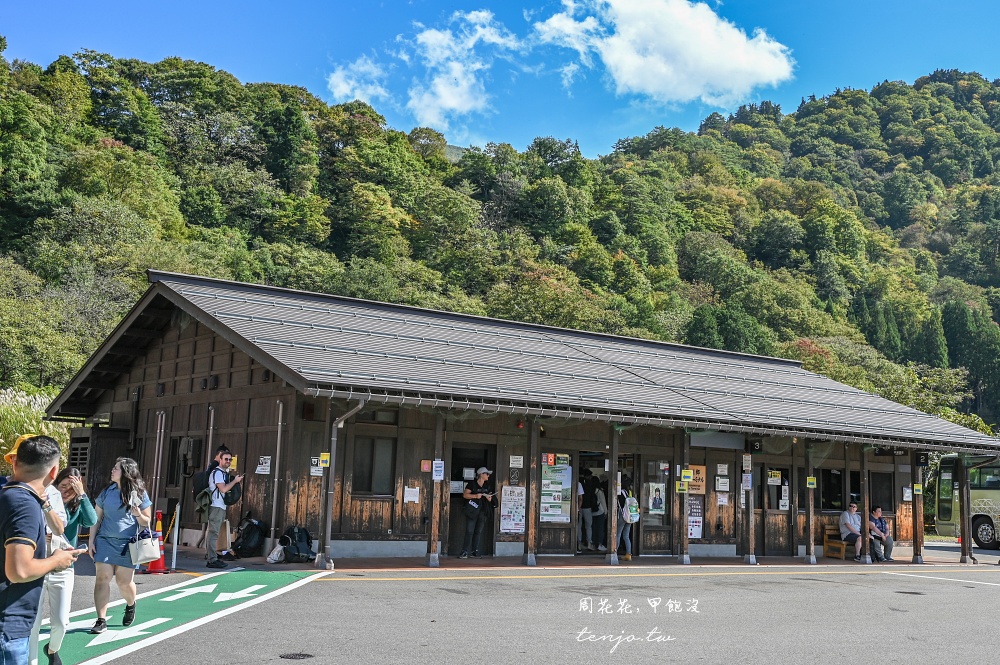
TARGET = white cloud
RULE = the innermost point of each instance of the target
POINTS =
(457, 61)
(362, 79)
(672, 51)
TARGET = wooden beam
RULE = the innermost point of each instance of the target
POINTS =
(614, 512)
(683, 556)
(810, 507)
(433, 553)
(866, 504)
(531, 529)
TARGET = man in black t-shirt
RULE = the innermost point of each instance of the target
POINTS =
(480, 501)
(23, 564)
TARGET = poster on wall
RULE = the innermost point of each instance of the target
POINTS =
(512, 509)
(696, 515)
(557, 489)
(656, 492)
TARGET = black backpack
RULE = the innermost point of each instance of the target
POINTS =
(200, 480)
(234, 494)
(249, 539)
(297, 544)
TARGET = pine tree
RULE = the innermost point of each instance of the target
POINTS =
(893, 346)
(933, 348)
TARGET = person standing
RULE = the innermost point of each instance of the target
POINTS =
(219, 483)
(850, 528)
(58, 586)
(881, 538)
(23, 560)
(624, 531)
(123, 508)
(600, 530)
(480, 501)
(586, 502)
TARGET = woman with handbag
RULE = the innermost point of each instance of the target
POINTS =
(123, 508)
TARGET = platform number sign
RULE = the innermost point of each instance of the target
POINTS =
(754, 446)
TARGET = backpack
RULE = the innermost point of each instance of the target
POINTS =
(200, 480)
(234, 494)
(630, 512)
(250, 538)
(297, 544)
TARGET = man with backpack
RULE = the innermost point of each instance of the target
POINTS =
(219, 484)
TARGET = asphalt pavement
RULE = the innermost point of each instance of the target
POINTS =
(578, 608)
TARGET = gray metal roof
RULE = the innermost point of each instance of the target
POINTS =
(342, 347)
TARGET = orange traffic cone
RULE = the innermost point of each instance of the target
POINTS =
(160, 565)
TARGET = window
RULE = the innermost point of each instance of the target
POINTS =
(856, 488)
(880, 490)
(944, 490)
(986, 478)
(831, 489)
(374, 465)
(380, 416)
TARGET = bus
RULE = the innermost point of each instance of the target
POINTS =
(984, 488)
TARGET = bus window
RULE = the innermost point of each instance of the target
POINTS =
(944, 489)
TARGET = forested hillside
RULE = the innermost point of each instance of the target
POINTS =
(859, 233)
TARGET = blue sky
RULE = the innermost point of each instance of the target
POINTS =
(590, 70)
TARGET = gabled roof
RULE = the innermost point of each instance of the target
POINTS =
(343, 347)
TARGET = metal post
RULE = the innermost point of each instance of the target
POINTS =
(177, 527)
(962, 471)
(614, 512)
(277, 478)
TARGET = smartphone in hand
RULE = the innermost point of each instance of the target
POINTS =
(134, 499)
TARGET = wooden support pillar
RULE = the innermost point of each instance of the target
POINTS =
(750, 557)
(917, 476)
(434, 546)
(866, 504)
(614, 513)
(534, 497)
(810, 507)
(683, 556)
(965, 528)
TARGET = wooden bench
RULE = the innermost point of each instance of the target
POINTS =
(833, 546)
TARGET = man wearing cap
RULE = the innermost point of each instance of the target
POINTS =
(479, 504)
(23, 564)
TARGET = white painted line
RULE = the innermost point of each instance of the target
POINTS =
(199, 622)
(120, 601)
(946, 579)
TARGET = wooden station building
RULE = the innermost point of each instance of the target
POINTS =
(342, 413)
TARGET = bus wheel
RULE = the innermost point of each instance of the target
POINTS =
(984, 534)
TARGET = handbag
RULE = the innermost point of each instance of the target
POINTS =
(471, 509)
(143, 548)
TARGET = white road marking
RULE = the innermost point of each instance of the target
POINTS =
(246, 593)
(190, 592)
(126, 633)
(131, 648)
(946, 579)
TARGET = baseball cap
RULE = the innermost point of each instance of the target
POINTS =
(10, 454)
(483, 469)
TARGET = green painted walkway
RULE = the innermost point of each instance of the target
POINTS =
(167, 612)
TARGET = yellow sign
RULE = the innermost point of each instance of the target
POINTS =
(811, 482)
(686, 474)
(324, 459)
(680, 486)
(232, 466)
(918, 488)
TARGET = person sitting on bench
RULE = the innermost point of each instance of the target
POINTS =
(850, 528)
(881, 540)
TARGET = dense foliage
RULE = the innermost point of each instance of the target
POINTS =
(860, 234)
